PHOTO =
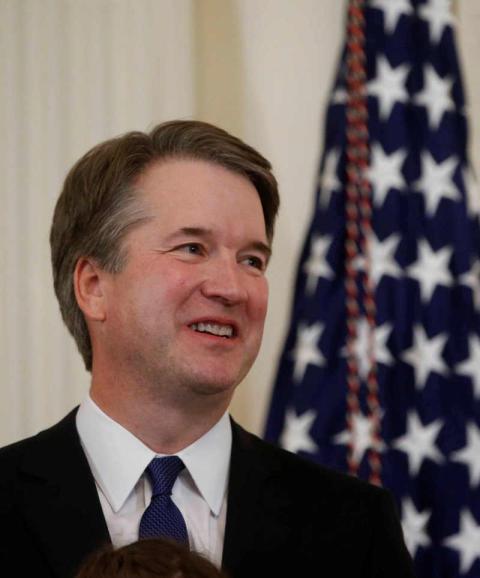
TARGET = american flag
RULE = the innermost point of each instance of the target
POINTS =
(388, 387)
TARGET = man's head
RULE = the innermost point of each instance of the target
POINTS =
(100, 202)
(153, 558)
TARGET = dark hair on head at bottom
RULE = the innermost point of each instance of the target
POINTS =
(152, 558)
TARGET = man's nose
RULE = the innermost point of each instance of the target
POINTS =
(225, 282)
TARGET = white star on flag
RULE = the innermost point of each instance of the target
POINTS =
(385, 172)
(471, 365)
(339, 96)
(471, 279)
(430, 269)
(392, 10)
(328, 179)
(306, 351)
(414, 526)
(360, 437)
(361, 346)
(316, 265)
(439, 16)
(295, 436)
(436, 182)
(470, 454)
(425, 355)
(418, 442)
(389, 86)
(435, 96)
(381, 258)
(466, 541)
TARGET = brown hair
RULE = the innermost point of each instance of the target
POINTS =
(97, 207)
(153, 558)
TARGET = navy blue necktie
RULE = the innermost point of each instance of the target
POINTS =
(162, 518)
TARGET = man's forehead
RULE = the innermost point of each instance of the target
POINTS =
(176, 174)
(191, 187)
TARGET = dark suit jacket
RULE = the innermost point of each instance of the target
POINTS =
(285, 517)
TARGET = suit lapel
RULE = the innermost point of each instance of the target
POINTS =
(61, 505)
(252, 514)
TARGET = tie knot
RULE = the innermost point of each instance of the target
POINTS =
(163, 472)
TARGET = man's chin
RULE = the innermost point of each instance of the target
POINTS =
(214, 387)
(212, 379)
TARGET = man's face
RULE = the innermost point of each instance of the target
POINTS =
(186, 313)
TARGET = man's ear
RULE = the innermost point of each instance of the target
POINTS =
(87, 282)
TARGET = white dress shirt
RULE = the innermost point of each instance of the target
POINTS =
(118, 460)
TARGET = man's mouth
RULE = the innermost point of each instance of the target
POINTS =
(226, 331)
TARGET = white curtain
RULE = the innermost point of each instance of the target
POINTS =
(74, 72)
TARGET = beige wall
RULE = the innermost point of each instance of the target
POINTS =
(468, 13)
(77, 71)
(267, 68)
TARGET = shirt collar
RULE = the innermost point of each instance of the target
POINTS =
(118, 459)
(208, 460)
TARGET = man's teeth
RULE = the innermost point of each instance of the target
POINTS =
(213, 328)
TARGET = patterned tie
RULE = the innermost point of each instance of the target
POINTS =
(162, 518)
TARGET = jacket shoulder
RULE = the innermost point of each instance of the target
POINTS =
(13, 455)
(353, 524)
(296, 469)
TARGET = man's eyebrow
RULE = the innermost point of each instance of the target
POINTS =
(262, 248)
(192, 231)
(202, 232)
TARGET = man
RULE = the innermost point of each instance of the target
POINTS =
(160, 244)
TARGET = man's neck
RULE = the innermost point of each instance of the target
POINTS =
(163, 426)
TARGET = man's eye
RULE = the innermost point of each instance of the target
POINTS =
(255, 262)
(192, 248)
